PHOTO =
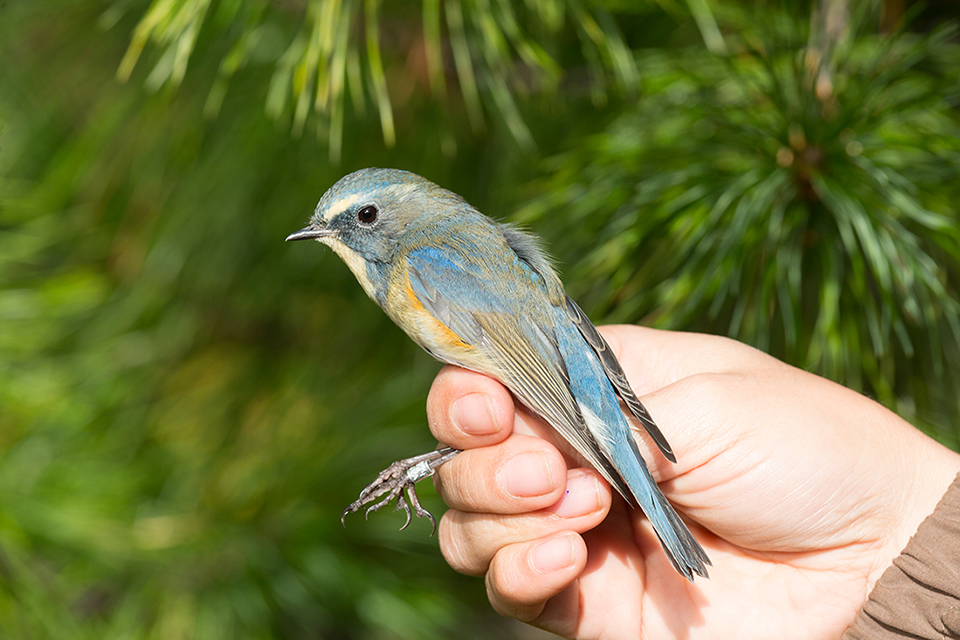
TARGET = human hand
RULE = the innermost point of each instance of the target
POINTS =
(802, 492)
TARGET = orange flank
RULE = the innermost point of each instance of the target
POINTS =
(437, 333)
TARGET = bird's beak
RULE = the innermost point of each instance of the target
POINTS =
(309, 233)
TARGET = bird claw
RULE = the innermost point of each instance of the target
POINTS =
(402, 475)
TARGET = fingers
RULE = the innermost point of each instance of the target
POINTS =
(469, 540)
(524, 576)
(505, 488)
(516, 491)
(521, 474)
(467, 409)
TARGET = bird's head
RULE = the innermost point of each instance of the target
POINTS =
(371, 215)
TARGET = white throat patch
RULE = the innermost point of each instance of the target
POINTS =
(354, 261)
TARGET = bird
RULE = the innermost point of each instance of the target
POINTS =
(483, 295)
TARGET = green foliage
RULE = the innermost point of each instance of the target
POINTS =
(798, 194)
(187, 403)
(336, 60)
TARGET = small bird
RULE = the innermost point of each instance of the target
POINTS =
(482, 295)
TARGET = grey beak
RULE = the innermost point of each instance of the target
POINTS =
(310, 233)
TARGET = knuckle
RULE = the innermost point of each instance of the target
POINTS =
(456, 547)
(508, 586)
(713, 388)
(461, 482)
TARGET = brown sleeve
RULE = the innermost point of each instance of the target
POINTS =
(919, 596)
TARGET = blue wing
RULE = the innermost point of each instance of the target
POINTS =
(614, 372)
(597, 398)
(506, 315)
(552, 358)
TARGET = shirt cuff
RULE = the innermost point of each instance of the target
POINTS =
(919, 595)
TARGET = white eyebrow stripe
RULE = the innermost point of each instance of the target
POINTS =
(341, 205)
(398, 191)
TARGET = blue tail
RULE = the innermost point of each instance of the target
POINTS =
(683, 550)
(605, 420)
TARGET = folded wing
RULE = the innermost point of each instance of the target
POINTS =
(505, 316)
(614, 372)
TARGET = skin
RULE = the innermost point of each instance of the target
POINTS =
(801, 491)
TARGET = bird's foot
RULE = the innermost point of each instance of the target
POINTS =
(391, 482)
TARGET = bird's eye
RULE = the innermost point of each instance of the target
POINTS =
(367, 214)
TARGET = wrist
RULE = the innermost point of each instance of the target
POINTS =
(932, 469)
(916, 596)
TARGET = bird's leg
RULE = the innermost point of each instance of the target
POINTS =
(402, 474)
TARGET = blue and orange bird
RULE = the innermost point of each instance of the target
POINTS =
(482, 295)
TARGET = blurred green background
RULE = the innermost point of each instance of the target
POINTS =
(187, 403)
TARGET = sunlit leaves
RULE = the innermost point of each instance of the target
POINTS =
(797, 201)
(187, 403)
(487, 55)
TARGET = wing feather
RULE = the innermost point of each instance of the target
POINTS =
(611, 366)
(540, 382)
(522, 353)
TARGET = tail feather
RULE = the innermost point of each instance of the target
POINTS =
(683, 550)
(603, 418)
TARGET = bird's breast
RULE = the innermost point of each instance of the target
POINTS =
(431, 333)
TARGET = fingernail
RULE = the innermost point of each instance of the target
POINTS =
(526, 475)
(582, 496)
(552, 555)
(473, 415)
